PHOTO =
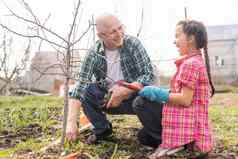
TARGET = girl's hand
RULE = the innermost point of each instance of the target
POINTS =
(155, 94)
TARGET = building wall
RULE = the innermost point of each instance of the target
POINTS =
(223, 60)
(42, 61)
(49, 81)
(223, 53)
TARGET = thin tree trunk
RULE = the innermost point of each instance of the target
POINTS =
(66, 100)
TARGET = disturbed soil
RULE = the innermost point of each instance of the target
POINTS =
(123, 141)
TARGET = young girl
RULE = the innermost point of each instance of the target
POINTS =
(185, 113)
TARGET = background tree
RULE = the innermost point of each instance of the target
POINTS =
(64, 45)
(12, 63)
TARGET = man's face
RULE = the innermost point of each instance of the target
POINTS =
(113, 36)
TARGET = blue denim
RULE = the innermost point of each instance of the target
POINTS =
(150, 116)
(93, 101)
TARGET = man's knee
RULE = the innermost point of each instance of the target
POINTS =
(142, 104)
(138, 103)
(93, 95)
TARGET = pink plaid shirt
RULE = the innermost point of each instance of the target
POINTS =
(186, 124)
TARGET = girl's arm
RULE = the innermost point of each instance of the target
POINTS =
(184, 98)
(162, 95)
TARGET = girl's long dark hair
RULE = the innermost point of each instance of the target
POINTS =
(198, 30)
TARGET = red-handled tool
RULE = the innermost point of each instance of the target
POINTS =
(133, 86)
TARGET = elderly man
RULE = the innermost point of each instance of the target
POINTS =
(115, 57)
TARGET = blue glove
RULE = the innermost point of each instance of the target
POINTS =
(155, 94)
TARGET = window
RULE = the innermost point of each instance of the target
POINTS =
(219, 62)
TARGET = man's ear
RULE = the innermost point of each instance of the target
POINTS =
(101, 35)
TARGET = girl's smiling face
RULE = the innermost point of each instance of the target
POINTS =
(181, 41)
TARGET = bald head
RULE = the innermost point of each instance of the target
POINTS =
(105, 22)
(110, 30)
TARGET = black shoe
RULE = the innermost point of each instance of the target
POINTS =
(202, 156)
(94, 138)
(145, 139)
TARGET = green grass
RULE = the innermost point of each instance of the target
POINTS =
(18, 112)
(225, 125)
(30, 101)
(23, 147)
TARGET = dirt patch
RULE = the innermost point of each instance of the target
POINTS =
(128, 143)
(10, 139)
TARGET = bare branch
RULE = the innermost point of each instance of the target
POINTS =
(83, 34)
(28, 8)
(35, 23)
(26, 56)
(67, 44)
(4, 60)
(30, 36)
(94, 38)
(9, 79)
(3, 79)
(4, 85)
(44, 71)
(141, 25)
(74, 20)
(9, 74)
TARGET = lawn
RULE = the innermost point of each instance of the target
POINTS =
(28, 124)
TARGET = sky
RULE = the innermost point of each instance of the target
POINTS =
(160, 18)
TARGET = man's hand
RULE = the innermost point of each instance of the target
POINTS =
(119, 93)
(74, 102)
(73, 112)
